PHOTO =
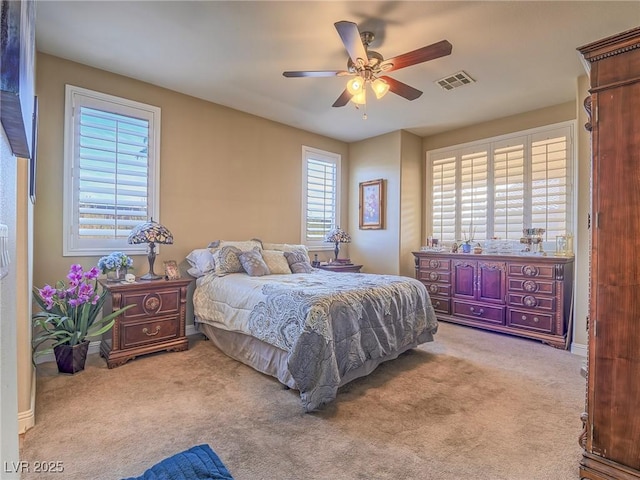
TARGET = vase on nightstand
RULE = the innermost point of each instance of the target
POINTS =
(116, 275)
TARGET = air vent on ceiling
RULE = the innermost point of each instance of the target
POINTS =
(455, 80)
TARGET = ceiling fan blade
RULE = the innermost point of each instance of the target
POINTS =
(402, 89)
(317, 73)
(430, 52)
(342, 99)
(350, 36)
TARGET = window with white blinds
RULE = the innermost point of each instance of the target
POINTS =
(111, 171)
(496, 187)
(320, 195)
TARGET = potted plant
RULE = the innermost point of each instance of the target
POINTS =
(69, 315)
(115, 266)
(468, 239)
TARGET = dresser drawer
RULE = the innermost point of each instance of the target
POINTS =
(530, 320)
(435, 264)
(533, 301)
(441, 305)
(150, 331)
(532, 286)
(151, 303)
(441, 289)
(531, 270)
(434, 276)
(482, 312)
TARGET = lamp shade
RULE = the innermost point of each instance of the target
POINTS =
(150, 232)
(380, 88)
(337, 235)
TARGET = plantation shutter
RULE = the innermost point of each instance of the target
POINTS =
(509, 192)
(112, 174)
(498, 186)
(474, 194)
(443, 173)
(550, 182)
(320, 195)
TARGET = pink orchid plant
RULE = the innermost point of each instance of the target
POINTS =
(70, 310)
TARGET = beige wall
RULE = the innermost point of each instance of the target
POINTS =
(396, 158)
(581, 243)
(371, 159)
(24, 272)
(224, 174)
(411, 187)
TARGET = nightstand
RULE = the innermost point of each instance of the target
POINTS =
(340, 267)
(156, 323)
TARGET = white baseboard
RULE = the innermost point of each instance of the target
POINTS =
(579, 349)
(94, 347)
(27, 419)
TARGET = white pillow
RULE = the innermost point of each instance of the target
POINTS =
(288, 247)
(201, 261)
(244, 245)
(276, 261)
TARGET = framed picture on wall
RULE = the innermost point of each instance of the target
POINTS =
(371, 207)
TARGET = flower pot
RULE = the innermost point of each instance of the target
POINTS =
(466, 247)
(71, 359)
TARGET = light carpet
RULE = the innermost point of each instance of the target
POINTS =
(471, 405)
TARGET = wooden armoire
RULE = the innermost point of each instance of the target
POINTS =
(611, 436)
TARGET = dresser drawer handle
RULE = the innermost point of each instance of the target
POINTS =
(434, 263)
(145, 330)
(437, 304)
(535, 319)
(433, 288)
(478, 313)
(433, 276)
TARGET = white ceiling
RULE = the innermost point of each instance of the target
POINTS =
(522, 54)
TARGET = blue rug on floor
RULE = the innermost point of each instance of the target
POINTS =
(199, 462)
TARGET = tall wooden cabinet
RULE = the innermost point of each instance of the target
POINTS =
(611, 437)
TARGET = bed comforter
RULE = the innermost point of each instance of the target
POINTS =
(328, 323)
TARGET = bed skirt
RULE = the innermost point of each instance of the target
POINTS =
(272, 361)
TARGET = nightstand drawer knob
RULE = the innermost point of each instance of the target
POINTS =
(145, 330)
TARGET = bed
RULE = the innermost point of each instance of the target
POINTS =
(313, 331)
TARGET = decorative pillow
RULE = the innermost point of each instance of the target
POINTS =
(288, 247)
(298, 262)
(253, 263)
(201, 261)
(276, 262)
(227, 260)
(243, 245)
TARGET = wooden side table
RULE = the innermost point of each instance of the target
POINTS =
(156, 323)
(340, 267)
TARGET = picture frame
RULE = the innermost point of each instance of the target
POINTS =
(171, 271)
(371, 206)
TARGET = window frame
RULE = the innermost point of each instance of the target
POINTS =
(329, 157)
(75, 98)
(493, 144)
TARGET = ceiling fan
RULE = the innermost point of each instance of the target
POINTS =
(369, 67)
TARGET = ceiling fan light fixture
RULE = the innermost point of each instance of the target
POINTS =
(355, 85)
(380, 88)
(360, 98)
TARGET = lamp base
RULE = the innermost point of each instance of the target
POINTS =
(151, 276)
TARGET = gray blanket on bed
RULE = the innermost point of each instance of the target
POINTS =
(332, 323)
